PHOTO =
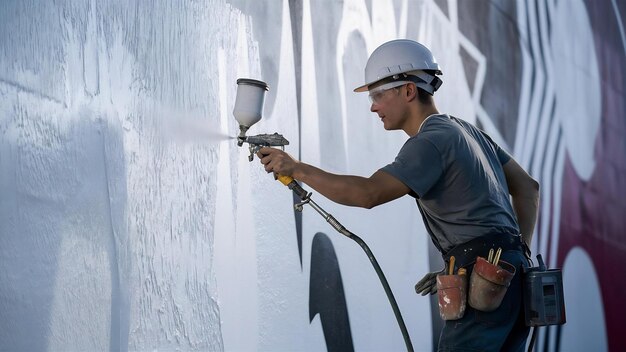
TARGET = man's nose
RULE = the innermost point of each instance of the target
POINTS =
(373, 107)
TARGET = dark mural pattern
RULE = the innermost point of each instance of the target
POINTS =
(326, 295)
(593, 213)
(589, 213)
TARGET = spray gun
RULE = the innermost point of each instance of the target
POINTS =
(248, 108)
(247, 111)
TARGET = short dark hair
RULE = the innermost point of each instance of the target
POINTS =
(424, 97)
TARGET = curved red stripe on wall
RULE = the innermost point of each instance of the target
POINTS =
(593, 213)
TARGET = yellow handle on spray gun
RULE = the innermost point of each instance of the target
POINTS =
(294, 186)
(285, 180)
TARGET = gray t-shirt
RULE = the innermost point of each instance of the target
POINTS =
(455, 172)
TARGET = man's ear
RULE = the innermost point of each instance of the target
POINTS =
(411, 92)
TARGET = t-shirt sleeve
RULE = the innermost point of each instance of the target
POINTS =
(418, 165)
(502, 154)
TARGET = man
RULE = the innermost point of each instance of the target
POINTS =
(460, 178)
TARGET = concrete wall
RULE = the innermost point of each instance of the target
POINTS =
(129, 220)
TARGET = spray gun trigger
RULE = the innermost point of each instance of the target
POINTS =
(253, 150)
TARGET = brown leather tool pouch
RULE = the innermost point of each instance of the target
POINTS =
(488, 284)
(452, 296)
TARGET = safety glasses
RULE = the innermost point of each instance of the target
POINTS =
(378, 94)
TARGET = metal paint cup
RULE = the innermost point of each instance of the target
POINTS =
(249, 101)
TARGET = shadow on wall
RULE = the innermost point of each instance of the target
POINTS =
(63, 233)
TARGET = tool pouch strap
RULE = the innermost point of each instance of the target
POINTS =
(465, 254)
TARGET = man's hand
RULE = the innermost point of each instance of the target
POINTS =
(428, 284)
(277, 161)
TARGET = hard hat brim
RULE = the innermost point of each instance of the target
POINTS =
(361, 89)
(377, 82)
(419, 75)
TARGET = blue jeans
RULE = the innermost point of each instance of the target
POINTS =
(501, 330)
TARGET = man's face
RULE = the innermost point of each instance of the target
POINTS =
(390, 107)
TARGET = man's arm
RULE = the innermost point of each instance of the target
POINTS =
(525, 193)
(365, 192)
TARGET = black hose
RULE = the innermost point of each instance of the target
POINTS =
(306, 198)
(532, 339)
(383, 280)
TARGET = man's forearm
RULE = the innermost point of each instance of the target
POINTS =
(343, 189)
(525, 197)
(357, 191)
(526, 208)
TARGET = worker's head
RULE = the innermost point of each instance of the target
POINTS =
(401, 77)
(399, 62)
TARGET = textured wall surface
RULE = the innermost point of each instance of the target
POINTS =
(130, 220)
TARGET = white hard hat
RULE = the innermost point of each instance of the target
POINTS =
(402, 60)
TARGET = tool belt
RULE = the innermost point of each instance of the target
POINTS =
(489, 280)
(466, 253)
